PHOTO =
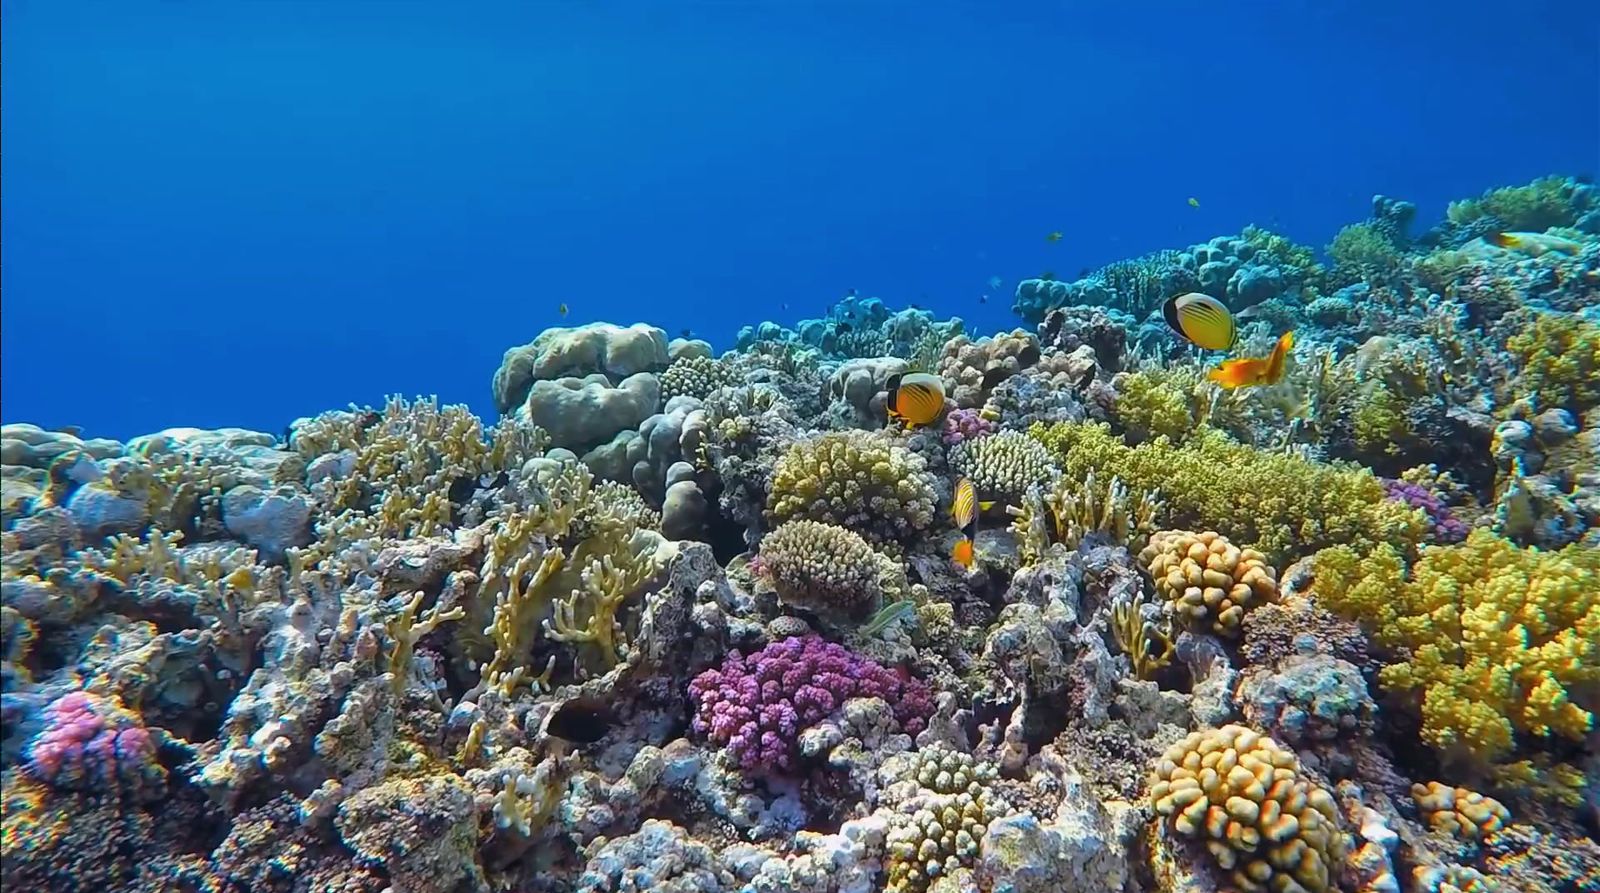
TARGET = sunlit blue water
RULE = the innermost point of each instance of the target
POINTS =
(237, 213)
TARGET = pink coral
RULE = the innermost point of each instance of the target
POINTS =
(92, 743)
(961, 425)
(757, 706)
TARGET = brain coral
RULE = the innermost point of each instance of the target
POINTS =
(1501, 640)
(1209, 581)
(1003, 465)
(820, 567)
(1261, 818)
(866, 481)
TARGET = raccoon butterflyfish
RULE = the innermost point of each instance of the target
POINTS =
(1247, 372)
(915, 398)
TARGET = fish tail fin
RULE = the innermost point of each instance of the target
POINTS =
(985, 505)
(1501, 240)
(1279, 358)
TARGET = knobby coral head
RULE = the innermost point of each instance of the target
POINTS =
(91, 743)
(757, 706)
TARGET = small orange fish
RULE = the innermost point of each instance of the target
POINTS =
(1249, 372)
(962, 553)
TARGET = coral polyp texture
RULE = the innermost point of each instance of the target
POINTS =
(756, 706)
(685, 619)
(1266, 825)
(1207, 581)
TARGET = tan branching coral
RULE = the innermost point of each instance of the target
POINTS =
(407, 629)
(1459, 812)
(1209, 582)
(1003, 466)
(820, 567)
(1147, 643)
(866, 481)
(1263, 821)
(1070, 510)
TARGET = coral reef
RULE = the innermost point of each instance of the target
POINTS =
(1209, 582)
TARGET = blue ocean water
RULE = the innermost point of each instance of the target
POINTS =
(236, 213)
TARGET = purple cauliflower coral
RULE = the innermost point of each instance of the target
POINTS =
(961, 425)
(1446, 527)
(756, 706)
(91, 743)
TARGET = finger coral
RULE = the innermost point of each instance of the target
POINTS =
(821, 567)
(756, 706)
(1209, 582)
(866, 481)
(1502, 640)
(1459, 812)
(1281, 504)
(1263, 821)
(1003, 466)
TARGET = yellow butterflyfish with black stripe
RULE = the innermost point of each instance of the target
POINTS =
(915, 398)
(1202, 321)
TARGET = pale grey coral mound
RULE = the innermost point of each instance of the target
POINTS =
(597, 348)
(1005, 465)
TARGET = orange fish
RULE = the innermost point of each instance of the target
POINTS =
(915, 398)
(1248, 372)
(962, 553)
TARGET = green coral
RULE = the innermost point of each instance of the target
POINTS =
(1546, 202)
(820, 567)
(1280, 504)
(1003, 466)
(1379, 423)
(1361, 249)
(1160, 402)
(1501, 643)
(1558, 360)
(696, 377)
(867, 481)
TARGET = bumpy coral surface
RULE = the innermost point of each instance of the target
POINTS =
(91, 743)
(695, 376)
(868, 482)
(1458, 811)
(1004, 466)
(1245, 797)
(756, 706)
(1503, 641)
(1209, 582)
(821, 567)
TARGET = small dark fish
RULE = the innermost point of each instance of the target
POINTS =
(983, 299)
(685, 333)
(850, 294)
(462, 488)
(1084, 273)
(1048, 276)
(786, 306)
(916, 306)
(581, 720)
(1053, 237)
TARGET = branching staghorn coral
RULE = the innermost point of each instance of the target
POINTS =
(1069, 510)
(407, 629)
(1503, 642)
(1284, 505)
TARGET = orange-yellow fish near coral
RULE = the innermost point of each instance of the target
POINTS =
(1248, 372)
(1534, 244)
(1201, 319)
(964, 511)
(915, 398)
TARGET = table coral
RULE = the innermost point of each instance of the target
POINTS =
(866, 481)
(1282, 504)
(1209, 582)
(1261, 818)
(1502, 640)
(820, 567)
(756, 706)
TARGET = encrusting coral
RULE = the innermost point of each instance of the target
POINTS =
(1209, 582)
(1246, 798)
(1503, 641)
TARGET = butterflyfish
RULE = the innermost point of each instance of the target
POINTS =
(915, 398)
(964, 510)
(562, 309)
(1533, 244)
(1202, 321)
(1249, 372)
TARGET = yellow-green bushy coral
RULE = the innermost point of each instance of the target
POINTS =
(1360, 248)
(1536, 207)
(821, 567)
(1157, 402)
(1283, 505)
(1501, 640)
(864, 480)
(1558, 360)
(1247, 799)
(1209, 582)
(1003, 466)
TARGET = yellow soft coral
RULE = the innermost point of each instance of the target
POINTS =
(1501, 639)
(1280, 504)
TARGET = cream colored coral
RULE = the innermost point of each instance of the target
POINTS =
(821, 567)
(866, 481)
(1207, 581)
(941, 835)
(1263, 821)
(1459, 812)
(1003, 466)
(971, 369)
(695, 376)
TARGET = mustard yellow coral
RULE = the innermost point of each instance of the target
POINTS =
(1283, 505)
(1501, 639)
(866, 481)
(1558, 361)
(1459, 812)
(1246, 798)
(1209, 582)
